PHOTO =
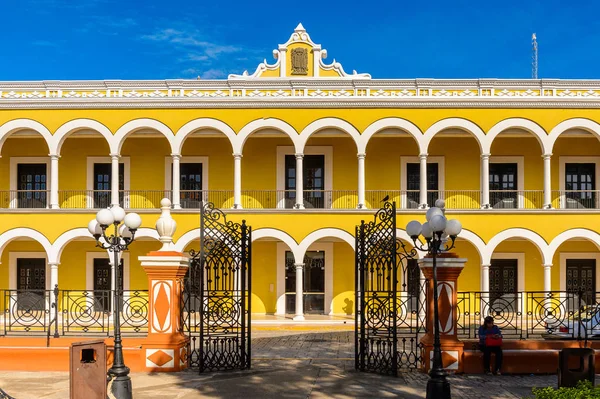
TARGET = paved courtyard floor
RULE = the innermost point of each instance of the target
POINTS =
(287, 363)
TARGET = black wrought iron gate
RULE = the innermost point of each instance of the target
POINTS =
(390, 315)
(216, 300)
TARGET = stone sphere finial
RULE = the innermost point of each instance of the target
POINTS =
(166, 225)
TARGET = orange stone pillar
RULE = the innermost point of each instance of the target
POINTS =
(165, 348)
(448, 268)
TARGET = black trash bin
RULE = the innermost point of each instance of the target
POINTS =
(575, 364)
(87, 370)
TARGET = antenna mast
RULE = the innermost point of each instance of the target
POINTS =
(534, 57)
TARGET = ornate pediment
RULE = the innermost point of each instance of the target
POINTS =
(300, 57)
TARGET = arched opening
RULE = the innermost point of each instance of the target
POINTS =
(141, 180)
(205, 166)
(516, 170)
(268, 162)
(326, 142)
(453, 146)
(83, 142)
(25, 176)
(386, 149)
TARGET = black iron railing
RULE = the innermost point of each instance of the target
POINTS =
(58, 312)
(531, 314)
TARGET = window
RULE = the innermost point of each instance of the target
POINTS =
(31, 283)
(313, 285)
(102, 184)
(504, 185)
(313, 174)
(413, 184)
(580, 185)
(31, 180)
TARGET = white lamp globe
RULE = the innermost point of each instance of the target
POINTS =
(440, 203)
(94, 228)
(426, 230)
(125, 232)
(118, 213)
(453, 227)
(133, 221)
(433, 211)
(413, 229)
(438, 223)
(105, 217)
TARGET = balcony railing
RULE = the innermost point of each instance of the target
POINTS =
(71, 312)
(313, 199)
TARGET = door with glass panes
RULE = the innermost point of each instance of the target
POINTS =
(313, 176)
(503, 284)
(32, 187)
(102, 184)
(581, 278)
(412, 283)
(190, 185)
(503, 185)
(413, 184)
(580, 185)
(102, 284)
(313, 282)
(31, 283)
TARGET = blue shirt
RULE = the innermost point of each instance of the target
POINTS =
(483, 332)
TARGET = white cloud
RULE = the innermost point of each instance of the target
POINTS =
(203, 49)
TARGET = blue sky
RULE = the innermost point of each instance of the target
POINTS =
(131, 39)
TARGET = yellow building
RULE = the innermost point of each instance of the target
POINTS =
(303, 151)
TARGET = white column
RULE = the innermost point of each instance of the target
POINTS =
(176, 197)
(547, 277)
(54, 182)
(114, 179)
(423, 182)
(299, 183)
(547, 182)
(361, 181)
(299, 316)
(237, 181)
(485, 289)
(53, 283)
(485, 181)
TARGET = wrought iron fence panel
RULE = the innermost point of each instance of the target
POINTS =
(86, 312)
(463, 314)
(554, 313)
(27, 312)
(216, 298)
(505, 308)
(134, 312)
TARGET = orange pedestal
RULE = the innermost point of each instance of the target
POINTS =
(448, 270)
(165, 348)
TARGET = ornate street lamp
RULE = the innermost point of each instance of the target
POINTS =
(116, 242)
(436, 232)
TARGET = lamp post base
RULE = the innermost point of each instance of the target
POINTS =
(438, 388)
(121, 387)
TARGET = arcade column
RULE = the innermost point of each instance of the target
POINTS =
(449, 267)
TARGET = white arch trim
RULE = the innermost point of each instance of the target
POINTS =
(323, 233)
(448, 123)
(529, 235)
(200, 124)
(15, 125)
(476, 241)
(388, 123)
(25, 232)
(519, 123)
(137, 124)
(570, 234)
(325, 123)
(260, 124)
(77, 124)
(280, 235)
(575, 123)
(64, 239)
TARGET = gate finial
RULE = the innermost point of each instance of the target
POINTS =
(166, 226)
